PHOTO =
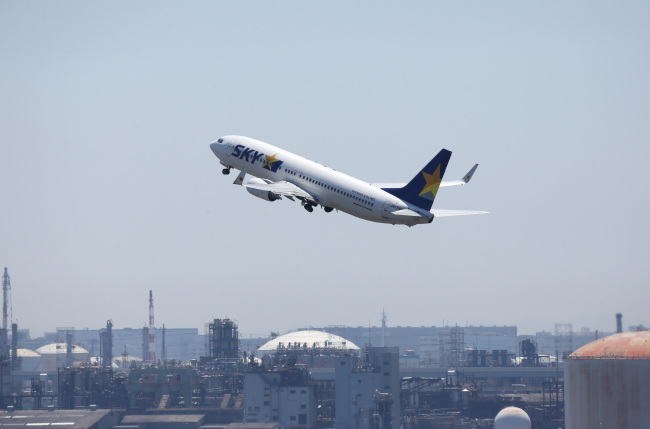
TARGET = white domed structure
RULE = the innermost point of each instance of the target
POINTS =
(125, 362)
(308, 340)
(607, 383)
(29, 360)
(54, 355)
(512, 418)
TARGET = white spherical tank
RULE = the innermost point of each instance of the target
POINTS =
(607, 383)
(512, 418)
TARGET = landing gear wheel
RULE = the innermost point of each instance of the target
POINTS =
(328, 209)
(226, 171)
(309, 208)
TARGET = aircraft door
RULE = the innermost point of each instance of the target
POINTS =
(385, 209)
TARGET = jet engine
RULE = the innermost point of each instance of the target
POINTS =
(265, 195)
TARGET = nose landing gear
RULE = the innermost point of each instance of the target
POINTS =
(226, 171)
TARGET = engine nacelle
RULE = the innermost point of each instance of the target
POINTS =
(265, 195)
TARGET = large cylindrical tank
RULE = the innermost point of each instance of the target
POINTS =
(607, 383)
(29, 360)
(54, 355)
(512, 418)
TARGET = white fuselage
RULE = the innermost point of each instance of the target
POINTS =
(330, 188)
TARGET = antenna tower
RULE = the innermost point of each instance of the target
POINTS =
(152, 350)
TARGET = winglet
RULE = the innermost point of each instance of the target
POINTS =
(463, 181)
(469, 174)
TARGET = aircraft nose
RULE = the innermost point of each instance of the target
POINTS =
(214, 146)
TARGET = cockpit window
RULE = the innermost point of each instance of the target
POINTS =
(220, 141)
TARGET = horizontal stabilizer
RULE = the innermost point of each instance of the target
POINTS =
(446, 213)
(406, 212)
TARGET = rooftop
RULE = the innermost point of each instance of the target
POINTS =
(310, 338)
(626, 345)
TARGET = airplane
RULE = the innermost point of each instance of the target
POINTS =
(279, 173)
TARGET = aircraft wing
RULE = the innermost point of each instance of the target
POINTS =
(446, 213)
(464, 180)
(282, 188)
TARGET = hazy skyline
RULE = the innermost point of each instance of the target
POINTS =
(109, 188)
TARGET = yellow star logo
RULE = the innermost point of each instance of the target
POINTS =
(433, 182)
(269, 161)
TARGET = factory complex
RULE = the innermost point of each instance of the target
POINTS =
(339, 377)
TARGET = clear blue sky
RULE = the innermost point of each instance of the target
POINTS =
(109, 189)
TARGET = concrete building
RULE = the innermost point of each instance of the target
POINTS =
(607, 383)
(284, 396)
(436, 346)
(163, 421)
(368, 391)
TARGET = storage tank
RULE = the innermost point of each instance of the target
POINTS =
(29, 360)
(308, 339)
(607, 383)
(54, 355)
(512, 418)
(125, 362)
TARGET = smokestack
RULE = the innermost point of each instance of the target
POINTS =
(6, 287)
(619, 323)
(14, 346)
(152, 347)
(106, 343)
(68, 348)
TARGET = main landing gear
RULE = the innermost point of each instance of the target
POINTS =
(310, 208)
(226, 171)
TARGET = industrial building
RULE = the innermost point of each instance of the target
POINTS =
(368, 390)
(426, 377)
(344, 386)
(76, 419)
(285, 396)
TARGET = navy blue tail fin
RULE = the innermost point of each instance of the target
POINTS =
(422, 189)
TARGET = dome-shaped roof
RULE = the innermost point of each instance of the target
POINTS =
(121, 359)
(512, 418)
(626, 345)
(26, 353)
(59, 348)
(313, 339)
